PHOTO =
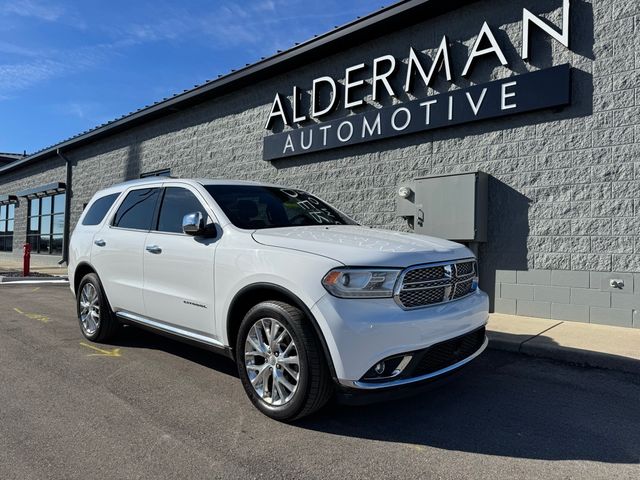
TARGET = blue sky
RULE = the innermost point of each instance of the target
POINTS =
(67, 66)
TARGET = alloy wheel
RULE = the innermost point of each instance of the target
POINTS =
(271, 361)
(89, 309)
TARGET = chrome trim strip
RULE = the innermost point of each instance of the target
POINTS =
(417, 289)
(449, 288)
(461, 278)
(405, 381)
(132, 317)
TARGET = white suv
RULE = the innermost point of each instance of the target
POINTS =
(306, 301)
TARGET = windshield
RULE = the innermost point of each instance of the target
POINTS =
(256, 207)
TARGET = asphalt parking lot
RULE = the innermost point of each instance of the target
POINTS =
(148, 407)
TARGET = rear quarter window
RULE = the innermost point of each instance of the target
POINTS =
(137, 209)
(99, 209)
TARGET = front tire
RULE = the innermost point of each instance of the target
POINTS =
(97, 322)
(280, 362)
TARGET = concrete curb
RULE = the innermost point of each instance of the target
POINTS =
(32, 280)
(574, 356)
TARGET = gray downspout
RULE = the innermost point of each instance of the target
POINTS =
(67, 210)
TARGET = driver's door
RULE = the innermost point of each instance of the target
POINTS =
(178, 268)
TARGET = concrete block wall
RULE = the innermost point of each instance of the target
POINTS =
(579, 296)
(564, 193)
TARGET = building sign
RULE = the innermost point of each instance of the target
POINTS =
(517, 94)
(524, 93)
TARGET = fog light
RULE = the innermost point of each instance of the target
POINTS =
(379, 368)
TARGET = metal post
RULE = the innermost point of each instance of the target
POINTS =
(67, 209)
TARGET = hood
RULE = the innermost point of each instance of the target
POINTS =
(354, 245)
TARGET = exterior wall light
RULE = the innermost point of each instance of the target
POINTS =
(404, 192)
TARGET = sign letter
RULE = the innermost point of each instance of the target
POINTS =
(276, 111)
(315, 100)
(485, 31)
(296, 98)
(442, 56)
(348, 84)
(562, 36)
(504, 95)
(288, 145)
(370, 128)
(476, 106)
(427, 106)
(382, 77)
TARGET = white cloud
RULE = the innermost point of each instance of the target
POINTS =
(31, 8)
(19, 76)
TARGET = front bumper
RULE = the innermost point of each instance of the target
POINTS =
(361, 332)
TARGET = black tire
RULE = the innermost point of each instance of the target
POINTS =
(314, 386)
(108, 325)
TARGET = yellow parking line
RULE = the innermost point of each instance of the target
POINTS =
(114, 352)
(33, 316)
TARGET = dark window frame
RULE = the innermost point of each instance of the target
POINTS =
(155, 227)
(35, 236)
(5, 232)
(154, 216)
(96, 204)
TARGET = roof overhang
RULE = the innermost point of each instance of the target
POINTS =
(42, 190)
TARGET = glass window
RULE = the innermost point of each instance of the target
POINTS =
(56, 244)
(176, 203)
(99, 209)
(7, 213)
(46, 221)
(58, 224)
(45, 205)
(45, 224)
(58, 203)
(255, 207)
(136, 211)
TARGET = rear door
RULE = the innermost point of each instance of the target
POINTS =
(117, 249)
(178, 268)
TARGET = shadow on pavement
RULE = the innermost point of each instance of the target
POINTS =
(134, 337)
(502, 404)
(507, 405)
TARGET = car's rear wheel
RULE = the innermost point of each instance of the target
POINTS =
(97, 322)
(280, 362)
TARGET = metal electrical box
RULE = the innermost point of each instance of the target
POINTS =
(447, 206)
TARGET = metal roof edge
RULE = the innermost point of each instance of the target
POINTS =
(398, 15)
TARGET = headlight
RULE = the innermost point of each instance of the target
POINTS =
(360, 282)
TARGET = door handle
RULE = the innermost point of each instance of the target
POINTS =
(100, 243)
(153, 249)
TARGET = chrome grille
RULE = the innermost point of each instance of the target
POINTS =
(433, 284)
(425, 274)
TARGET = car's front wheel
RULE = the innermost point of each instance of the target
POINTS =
(280, 362)
(97, 321)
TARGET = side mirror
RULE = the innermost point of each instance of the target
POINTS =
(193, 224)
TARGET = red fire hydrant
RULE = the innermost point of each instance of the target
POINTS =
(26, 259)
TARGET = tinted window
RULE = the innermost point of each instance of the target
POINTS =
(136, 211)
(254, 207)
(176, 203)
(99, 209)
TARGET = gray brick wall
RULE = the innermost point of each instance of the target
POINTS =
(570, 295)
(564, 189)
